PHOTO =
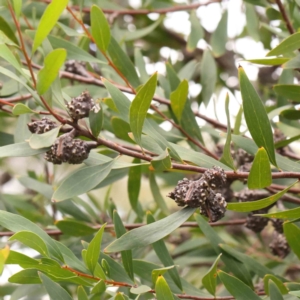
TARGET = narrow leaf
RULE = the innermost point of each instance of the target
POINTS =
(260, 174)
(81, 294)
(237, 288)
(219, 36)
(256, 117)
(6, 29)
(287, 46)
(162, 162)
(55, 291)
(4, 254)
(20, 109)
(52, 63)
(74, 228)
(197, 32)
(146, 235)
(134, 184)
(290, 214)
(28, 276)
(93, 250)
(44, 140)
(140, 106)
(162, 289)
(291, 232)
(99, 288)
(252, 22)
(96, 119)
(100, 28)
(269, 61)
(209, 280)
(82, 181)
(290, 91)
(280, 285)
(127, 254)
(274, 292)
(48, 21)
(31, 240)
(259, 204)
(226, 156)
(164, 255)
(178, 98)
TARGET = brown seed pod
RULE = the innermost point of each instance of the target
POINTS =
(41, 126)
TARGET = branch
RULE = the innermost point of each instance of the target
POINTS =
(287, 21)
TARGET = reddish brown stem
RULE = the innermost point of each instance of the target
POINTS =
(287, 21)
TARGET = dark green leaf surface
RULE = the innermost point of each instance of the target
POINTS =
(178, 98)
(256, 117)
(149, 234)
(292, 233)
(16, 258)
(139, 107)
(162, 289)
(260, 174)
(48, 20)
(237, 288)
(100, 28)
(289, 91)
(274, 292)
(291, 114)
(282, 288)
(259, 204)
(127, 254)
(52, 63)
(134, 184)
(209, 280)
(93, 250)
(6, 29)
(96, 121)
(74, 228)
(164, 255)
(287, 46)
(82, 181)
(55, 291)
(162, 162)
(219, 36)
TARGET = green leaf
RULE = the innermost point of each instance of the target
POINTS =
(99, 288)
(178, 98)
(4, 254)
(274, 292)
(260, 174)
(20, 109)
(287, 46)
(48, 21)
(52, 63)
(162, 162)
(164, 255)
(209, 280)
(28, 276)
(6, 29)
(74, 228)
(197, 32)
(93, 250)
(252, 22)
(256, 117)
(259, 204)
(140, 289)
(290, 91)
(291, 114)
(282, 288)
(134, 184)
(140, 65)
(44, 140)
(162, 289)
(146, 235)
(81, 294)
(16, 258)
(127, 254)
(17, 7)
(96, 121)
(140, 106)
(7, 54)
(158, 198)
(269, 61)
(31, 240)
(122, 61)
(19, 150)
(226, 156)
(209, 77)
(292, 63)
(291, 232)
(237, 288)
(82, 181)
(290, 214)
(55, 291)
(219, 36)
(119, 296)
(100, 28)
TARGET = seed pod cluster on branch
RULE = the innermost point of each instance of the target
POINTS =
(41, 126)
(203, 193)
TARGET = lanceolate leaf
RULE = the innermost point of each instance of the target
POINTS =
(291, 232)
(259, 204)
(209, 280)
(237, 288)
(151, 233)
(4, 254)
(178, 98)
(274, 291)
(260, 174)
(100, 28)
(140, 106)
(282, 288)
(290, 91)
(290, 214)
(48, 20)
(287, 46)
(256, 117)
(96, 121)
(269, 61)
(20, 109)
(53, 62)
(44, 140)
(82, 181)
(134, 184)
(162, 162)
(197, 32)
(93, 250)
(162, 289)
(6, 29)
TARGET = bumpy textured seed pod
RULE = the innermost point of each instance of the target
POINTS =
(215, 207)
(215, 177)
(279, 245)
(41, 126)
(179, 192)
(242, 157)
(75, 67)
(68, 150)
(80, 107)
(250, 195)
(277, 224)
(256, 223)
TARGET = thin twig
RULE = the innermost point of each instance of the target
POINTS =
(287, 21)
